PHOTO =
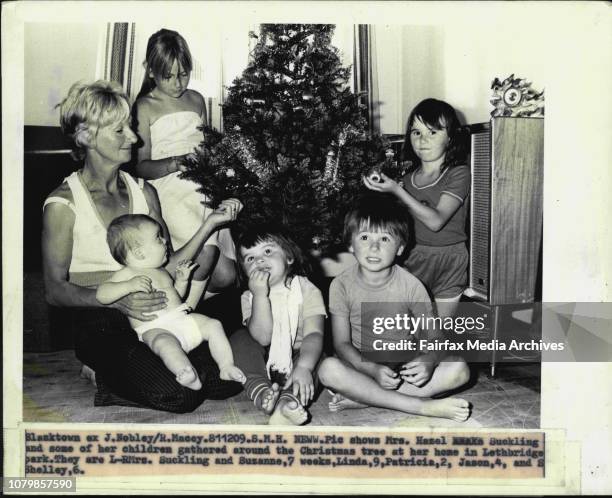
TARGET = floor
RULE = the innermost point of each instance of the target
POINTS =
(53, 391)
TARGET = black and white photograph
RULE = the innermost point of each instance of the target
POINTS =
(285, 147)
(225, 216)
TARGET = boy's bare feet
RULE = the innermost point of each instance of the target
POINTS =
(266, 401)
(454, 408)
(288, 411)
(232, 372)
(339, 403)
(188, 377)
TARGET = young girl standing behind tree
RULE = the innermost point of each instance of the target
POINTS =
(168, 115)
(435, 190)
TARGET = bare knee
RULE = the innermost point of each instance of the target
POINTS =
(457, 372)
(157, 340)
(332, 372)
(208, 326)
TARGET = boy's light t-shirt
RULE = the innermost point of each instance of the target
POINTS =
(312, 305)
(348, 291)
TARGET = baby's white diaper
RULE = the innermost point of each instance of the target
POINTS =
(177, 322)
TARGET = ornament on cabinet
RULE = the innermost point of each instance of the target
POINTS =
(514, 97)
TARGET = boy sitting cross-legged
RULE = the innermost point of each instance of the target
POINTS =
(376, 234)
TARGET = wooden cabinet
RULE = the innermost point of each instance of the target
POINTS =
(507, 162)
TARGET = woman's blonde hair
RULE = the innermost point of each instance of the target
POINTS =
(89, 106)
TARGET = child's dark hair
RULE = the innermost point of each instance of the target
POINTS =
(269, 232)
(377, 212)
(438, 115)
(123, 234)
(163, 48)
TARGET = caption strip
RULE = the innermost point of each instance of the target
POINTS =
(347, 454)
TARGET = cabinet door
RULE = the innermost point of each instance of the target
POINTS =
(517, 150)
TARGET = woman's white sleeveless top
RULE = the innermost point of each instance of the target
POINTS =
(92, 262)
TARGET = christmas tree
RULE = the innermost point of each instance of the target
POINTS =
(295, 145)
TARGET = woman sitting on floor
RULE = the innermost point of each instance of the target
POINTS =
(76, 258)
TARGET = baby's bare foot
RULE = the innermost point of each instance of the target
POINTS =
(339, 403)
(288, 411)
(188, 377)
(454, 408)
(232, 372)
